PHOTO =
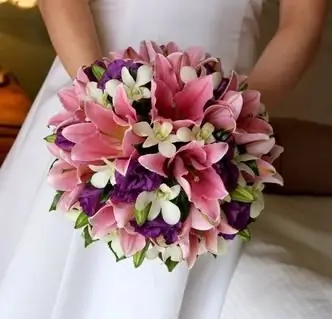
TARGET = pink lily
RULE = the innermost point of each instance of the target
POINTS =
(69, 198)
(186, 105)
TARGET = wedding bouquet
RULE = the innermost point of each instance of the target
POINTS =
(159, 154)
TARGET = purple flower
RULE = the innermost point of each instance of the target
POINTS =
(113, 71)
(137, 180)
(62, 142)
(158, 227)
(228, 171)
(90, 199)
(238, 216)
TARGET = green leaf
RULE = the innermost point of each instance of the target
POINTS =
(117, 258)
(81, 221)
(98, 72)
(245, 234)
(253, 165)
(87, 237)
(50, 138)
(142, 215)
(55, 201)
(140, 256)
(243, 194)
(170, 264)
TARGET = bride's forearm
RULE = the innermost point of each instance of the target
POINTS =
(291, 50)
(72, 32)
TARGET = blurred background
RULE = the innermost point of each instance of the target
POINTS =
(25, 51)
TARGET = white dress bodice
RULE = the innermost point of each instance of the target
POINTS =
(225, 28)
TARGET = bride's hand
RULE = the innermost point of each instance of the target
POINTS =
(72, 32)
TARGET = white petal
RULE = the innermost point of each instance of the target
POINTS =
(245, 168)
(154, 210)
(111, 86)
(241, 181)
(172, 138)
(93, 91)
(175, 191)
(143, 200)
(101, 178)
(142, 129)
(96, 168)
(170, 212)
(127, 79)
(166, 128)
(165, 188)
(150, 141)
(187, 74)
(116, 246)
(167, 149)
(72, 214)
(175, 253)
(256, 207)
(146, 93)
(216, 79)
(144, 75)
(185, 134)
(152, 253)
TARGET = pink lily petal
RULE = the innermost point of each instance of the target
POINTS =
(273, 179)
(62, 176)
(211, 240)
(69, 99)
(235, 102)
(220, 117)
(205, 220)
(171, 47)
(68, 199)
(102, 117)
(154, 163)
(245, 138)
(180, 171)
(122, 106)
(97, 149)
(131, 243)
(103, 222)
(123, 213)
(190, 102)
(77, 133)
(175, 60)
(148, 50)
(122, 164)
(162, 100)
(261, 147)
(59, 118)
(251, 103)
(256, 125)
(193, 251)
(196, 55)
(215, 152)
(265, 168)
(226, 229)
(276, 151)
(232, 85)
(165, 73)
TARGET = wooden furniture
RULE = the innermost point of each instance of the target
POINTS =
(14, 106)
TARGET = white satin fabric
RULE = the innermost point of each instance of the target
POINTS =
(45, 273)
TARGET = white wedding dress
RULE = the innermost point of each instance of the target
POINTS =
(46, 273)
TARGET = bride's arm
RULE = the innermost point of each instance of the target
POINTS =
(290, 51)
(72, 32)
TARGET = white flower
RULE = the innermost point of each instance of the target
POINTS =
(173, 252)
(135, 89)
(103, 175)
(200, 134)
(97, 95)
(160, 201)
(159, 135)
(257, 205)
(188, 73)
